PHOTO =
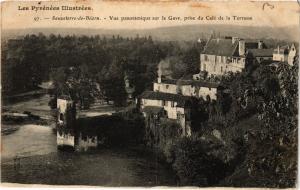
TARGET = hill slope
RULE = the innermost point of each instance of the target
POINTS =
(180, 33)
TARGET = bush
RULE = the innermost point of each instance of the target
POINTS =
(195, 165)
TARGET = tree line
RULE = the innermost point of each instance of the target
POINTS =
(96, 64)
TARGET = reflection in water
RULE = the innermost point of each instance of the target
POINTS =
(41, 163)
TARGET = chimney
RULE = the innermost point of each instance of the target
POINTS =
(260, 44)
(159, 73)
(234, 39)
(241, 47)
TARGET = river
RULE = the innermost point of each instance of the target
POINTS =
(39, 162)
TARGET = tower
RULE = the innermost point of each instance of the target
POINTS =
(242, 47)
(260, 44)
(66, 118)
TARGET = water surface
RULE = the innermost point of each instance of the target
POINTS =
(41, 163)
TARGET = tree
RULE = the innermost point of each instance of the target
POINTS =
(195, 165)
(112, 83)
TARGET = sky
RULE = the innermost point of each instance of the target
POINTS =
(273, 14)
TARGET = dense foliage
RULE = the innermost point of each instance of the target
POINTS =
(251, 133)
(75, 62)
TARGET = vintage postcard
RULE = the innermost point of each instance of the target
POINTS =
(149, 93)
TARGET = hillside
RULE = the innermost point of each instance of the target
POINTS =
(180, 33)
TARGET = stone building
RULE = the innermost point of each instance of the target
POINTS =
(281, 53)
(173, 106)
(285, 54)
(231, 54)
(193, 88)
(68, 135)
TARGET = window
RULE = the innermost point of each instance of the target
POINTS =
(221, 69)
(205, 57)
(163, 103)
(208, 98)
(172, 104)
(167, 86)
(224, 59)
(61, 117)
(204, 67)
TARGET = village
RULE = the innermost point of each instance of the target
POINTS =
(158, 94)
(204, 105)
(173, 99)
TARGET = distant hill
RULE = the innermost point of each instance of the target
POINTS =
(180, 33)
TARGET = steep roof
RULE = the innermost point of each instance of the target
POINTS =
(191, 82)
(261, 52)
(225, 47)
(222, 47)
(180, 99)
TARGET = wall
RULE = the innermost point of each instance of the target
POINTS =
(279, 57)
(188, 90)
(173, 113)
(62, 105)
(292, 55)
(166, 88)
(65, 139)
(206, 91)
(171, 110)
(219, 65)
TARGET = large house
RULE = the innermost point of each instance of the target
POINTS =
(231, 54)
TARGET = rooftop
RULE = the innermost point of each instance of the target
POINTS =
(190, 82)
(180, 99)
(261, 52)
(153, 109)
(225, 47)
(222, 47)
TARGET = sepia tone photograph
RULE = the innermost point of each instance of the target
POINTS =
(149, 94)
